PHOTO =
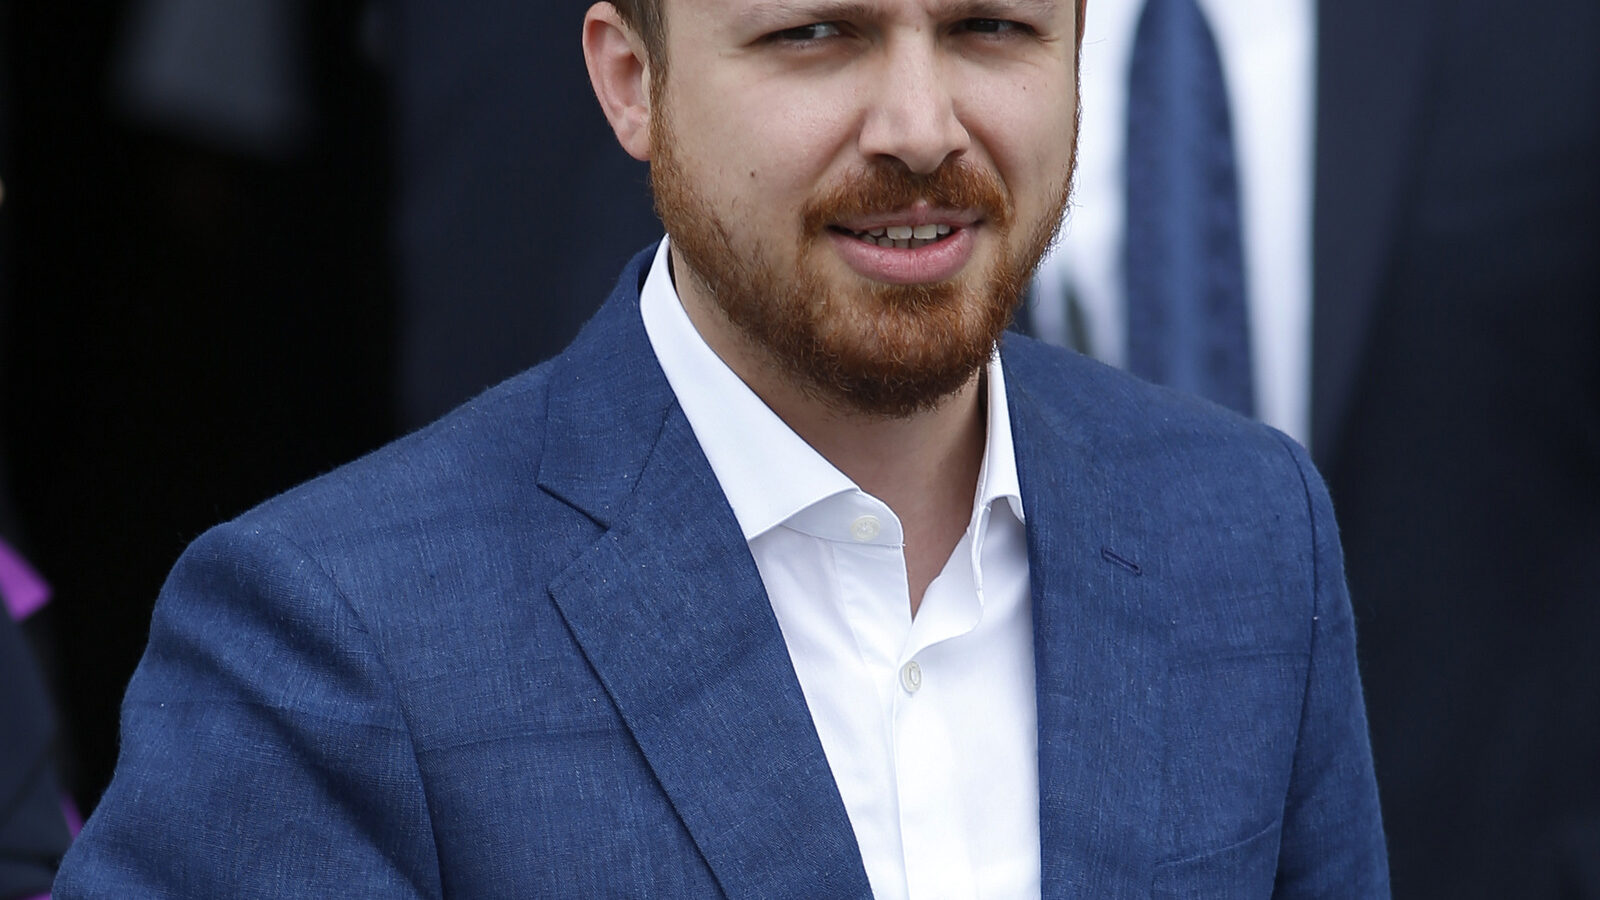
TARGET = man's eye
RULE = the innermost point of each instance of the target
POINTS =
(992, 26)
(805, 33)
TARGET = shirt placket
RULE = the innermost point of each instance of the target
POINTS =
(938, 855)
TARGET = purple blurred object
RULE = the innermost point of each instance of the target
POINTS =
(74, 818)
(21, 587)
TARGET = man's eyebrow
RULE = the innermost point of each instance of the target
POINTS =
(778, 11)
(781, 11)
(998, 9)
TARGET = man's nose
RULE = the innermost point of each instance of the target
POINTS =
(912, 114)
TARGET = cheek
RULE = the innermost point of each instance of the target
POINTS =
(751, 142)
(787, 134)
(797, 144)
(1027, 131)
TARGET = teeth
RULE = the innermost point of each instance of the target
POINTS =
(904, 237)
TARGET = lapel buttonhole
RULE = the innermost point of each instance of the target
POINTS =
(1122, 562)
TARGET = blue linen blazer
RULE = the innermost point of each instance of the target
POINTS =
(526, 652)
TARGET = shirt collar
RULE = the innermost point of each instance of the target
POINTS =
(729, 419)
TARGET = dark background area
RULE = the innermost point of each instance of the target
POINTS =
(188, 330)
(196, 314)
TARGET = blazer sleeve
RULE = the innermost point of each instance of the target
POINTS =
(264, 751)
(1332, 842)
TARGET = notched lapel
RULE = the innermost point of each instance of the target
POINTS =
(1100, 657)
(608, 399)
(669, 609)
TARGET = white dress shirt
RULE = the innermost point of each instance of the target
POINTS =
(929, 724)
(1268, 50)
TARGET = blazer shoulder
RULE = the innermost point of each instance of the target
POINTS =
(495, 498)
(1125, 418)
(1201, 488)
(459, 460)
(486, 457)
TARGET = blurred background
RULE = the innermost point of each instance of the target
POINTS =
(199, 312)
(246, 241)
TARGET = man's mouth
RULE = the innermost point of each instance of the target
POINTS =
(901, 237)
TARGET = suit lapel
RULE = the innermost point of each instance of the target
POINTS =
(1100, 656)
(1369, 92)
(669, 609)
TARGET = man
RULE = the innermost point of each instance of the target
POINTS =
(779, 582)
(1420, 200)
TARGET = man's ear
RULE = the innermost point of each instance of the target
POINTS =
(619, 70)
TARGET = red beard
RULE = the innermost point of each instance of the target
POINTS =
(880, 349)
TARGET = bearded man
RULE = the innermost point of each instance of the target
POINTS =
(791, 577)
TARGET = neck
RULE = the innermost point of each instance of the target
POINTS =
(923, 466)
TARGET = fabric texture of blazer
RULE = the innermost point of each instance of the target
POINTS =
(526, 652)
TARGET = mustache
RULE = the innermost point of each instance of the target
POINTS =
(888, 185)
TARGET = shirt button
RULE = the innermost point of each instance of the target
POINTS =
(865, 528)
(911, 677)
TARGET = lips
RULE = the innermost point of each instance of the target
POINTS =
(902, 253)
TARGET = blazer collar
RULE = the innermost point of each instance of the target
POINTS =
(1371, 60)
(669, 609)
